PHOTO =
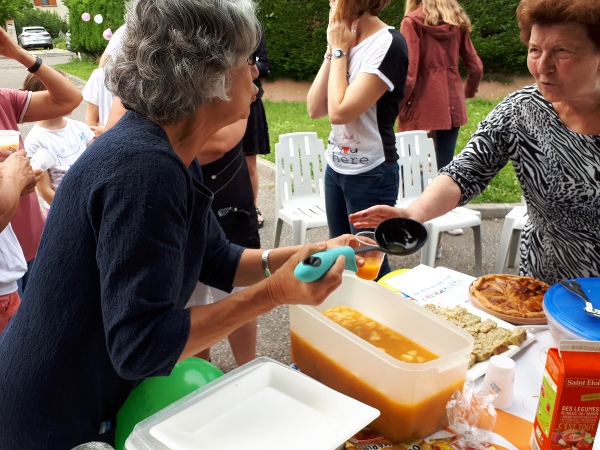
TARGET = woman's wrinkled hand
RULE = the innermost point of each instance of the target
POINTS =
(346, 240)
(343, 240)
(17, 167)
(373, 216)
(4, 153)
(284, 288)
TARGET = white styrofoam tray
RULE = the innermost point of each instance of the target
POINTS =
(262, 405)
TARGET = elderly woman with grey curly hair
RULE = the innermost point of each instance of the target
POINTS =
(131, 232)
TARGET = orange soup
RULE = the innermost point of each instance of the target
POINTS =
(398, 422)
(382, 337)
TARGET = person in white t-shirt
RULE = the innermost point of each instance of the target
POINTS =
(359, 86)
(66, 139)
(98, 101)
(97, 96)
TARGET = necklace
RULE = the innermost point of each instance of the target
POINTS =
(240, 159)
(215, 175)
(230, 179)
(365, 35)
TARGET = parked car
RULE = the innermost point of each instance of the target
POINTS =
(68, 40)
(32, 37)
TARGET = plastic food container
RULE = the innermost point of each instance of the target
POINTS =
(566, 317)
(411, 397)
(262, 405)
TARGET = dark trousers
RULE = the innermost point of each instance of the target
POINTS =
(445, 144)
(347, 194)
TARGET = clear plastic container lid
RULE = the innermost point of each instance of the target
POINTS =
(262, 405)
(566, 309)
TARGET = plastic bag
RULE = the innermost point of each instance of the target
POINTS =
(472, 417)
(368, 439)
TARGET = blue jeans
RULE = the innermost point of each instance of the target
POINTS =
(445, 143)
(347, 194)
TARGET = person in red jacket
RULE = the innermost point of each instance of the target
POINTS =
(437, 34)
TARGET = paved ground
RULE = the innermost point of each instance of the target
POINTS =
(273, 337)
(290, 90)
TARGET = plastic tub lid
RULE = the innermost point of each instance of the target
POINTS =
(260, 405)
(566, 309)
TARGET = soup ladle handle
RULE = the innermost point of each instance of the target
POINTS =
(368, 248)
(317, 264)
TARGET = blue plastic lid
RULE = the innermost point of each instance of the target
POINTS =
(566, 308)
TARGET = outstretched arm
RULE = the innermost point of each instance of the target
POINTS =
(440, 197)
(210, 323)
(61, 96)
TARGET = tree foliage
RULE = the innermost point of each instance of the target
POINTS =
(296, 34)
(86, 37)
(12, 9)
(495, 34)
(296, 31)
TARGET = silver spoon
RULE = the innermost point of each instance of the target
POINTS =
(574, 287)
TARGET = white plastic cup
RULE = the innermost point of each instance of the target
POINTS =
(9, 140)
(42, 159)
(499, 380)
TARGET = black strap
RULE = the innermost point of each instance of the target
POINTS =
(36, 66)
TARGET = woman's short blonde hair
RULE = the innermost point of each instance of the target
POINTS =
(441, 11)
(556, 12)
(351, 9)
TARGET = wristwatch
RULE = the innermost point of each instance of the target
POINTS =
(338, 53)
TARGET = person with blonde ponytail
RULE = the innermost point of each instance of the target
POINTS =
(437, 33)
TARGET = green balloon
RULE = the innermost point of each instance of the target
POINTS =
(153, 394)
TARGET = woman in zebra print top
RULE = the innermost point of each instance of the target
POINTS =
(550, 131)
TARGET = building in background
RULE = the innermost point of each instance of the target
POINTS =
(52, 6)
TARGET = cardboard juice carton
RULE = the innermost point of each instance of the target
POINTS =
(569, 406)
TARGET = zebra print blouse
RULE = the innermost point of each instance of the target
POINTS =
(559, 173)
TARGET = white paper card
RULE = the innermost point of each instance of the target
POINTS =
(438, 285)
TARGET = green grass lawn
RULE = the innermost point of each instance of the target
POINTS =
(504, 188)
(79, 68)
(289, 117)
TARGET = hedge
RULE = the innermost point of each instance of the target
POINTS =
(296, 32)
(86, 37)
(495, 35)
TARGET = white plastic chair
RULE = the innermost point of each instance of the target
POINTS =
(514, 222)
(418, 167)
(299, 184)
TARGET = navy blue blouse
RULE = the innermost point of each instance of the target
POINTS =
(129, 233)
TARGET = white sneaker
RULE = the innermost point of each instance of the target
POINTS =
(455, 232)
